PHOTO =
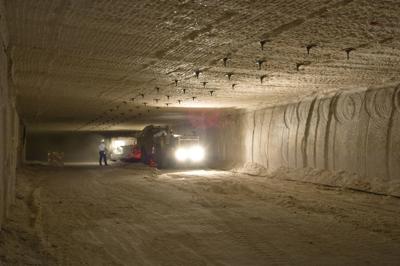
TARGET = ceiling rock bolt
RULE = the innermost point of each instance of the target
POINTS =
(194, 98)
(179, 101)
(167, 97)
(176, 82)
(158, 89)
(310, 46)
(145, 104)
(348, 50)
(204, 84)
(233, 86)
(184, 91)
(262, 43)
(225, 61)
(262, 78)
(259, 63)
(133, 99)
(229, 75)
(211, 93)
(197, 73)
(156, 100)
(142, 94)
(167, 104)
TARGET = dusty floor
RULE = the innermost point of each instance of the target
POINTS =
(133, 215)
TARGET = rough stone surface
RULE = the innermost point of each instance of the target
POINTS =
(81, 60)
(355, 132)
(9, 125)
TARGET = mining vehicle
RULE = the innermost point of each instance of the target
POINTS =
(161, 148)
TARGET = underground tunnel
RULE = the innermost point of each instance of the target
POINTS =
(200, 132)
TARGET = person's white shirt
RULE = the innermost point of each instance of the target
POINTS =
(102, 147)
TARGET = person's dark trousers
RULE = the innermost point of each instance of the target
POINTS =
(103, 157)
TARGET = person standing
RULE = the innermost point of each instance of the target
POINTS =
(102, 153)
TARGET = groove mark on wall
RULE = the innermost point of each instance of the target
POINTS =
(269, 135)
(316, 134)
(307, 133)
(327, 131)
(389, 135)
(252, 137)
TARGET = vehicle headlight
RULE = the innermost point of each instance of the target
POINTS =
(181, 154)
(196, 153)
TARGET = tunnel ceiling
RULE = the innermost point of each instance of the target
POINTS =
(96, 65)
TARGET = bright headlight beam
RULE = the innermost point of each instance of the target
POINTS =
(181, 154)
(196, 153)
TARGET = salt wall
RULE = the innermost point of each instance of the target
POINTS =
(9, 124)
(357, 132)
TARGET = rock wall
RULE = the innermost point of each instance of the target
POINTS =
(9, 124)
(355, 132)
(225, 143)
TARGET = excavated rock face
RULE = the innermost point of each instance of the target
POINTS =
(356, 135)
(96, 65)
(9, 126)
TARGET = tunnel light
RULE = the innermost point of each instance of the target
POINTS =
(117, 143)
(117, 150)
(116, 146)
(194, 154)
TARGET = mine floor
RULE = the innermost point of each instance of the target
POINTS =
(134, 215)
